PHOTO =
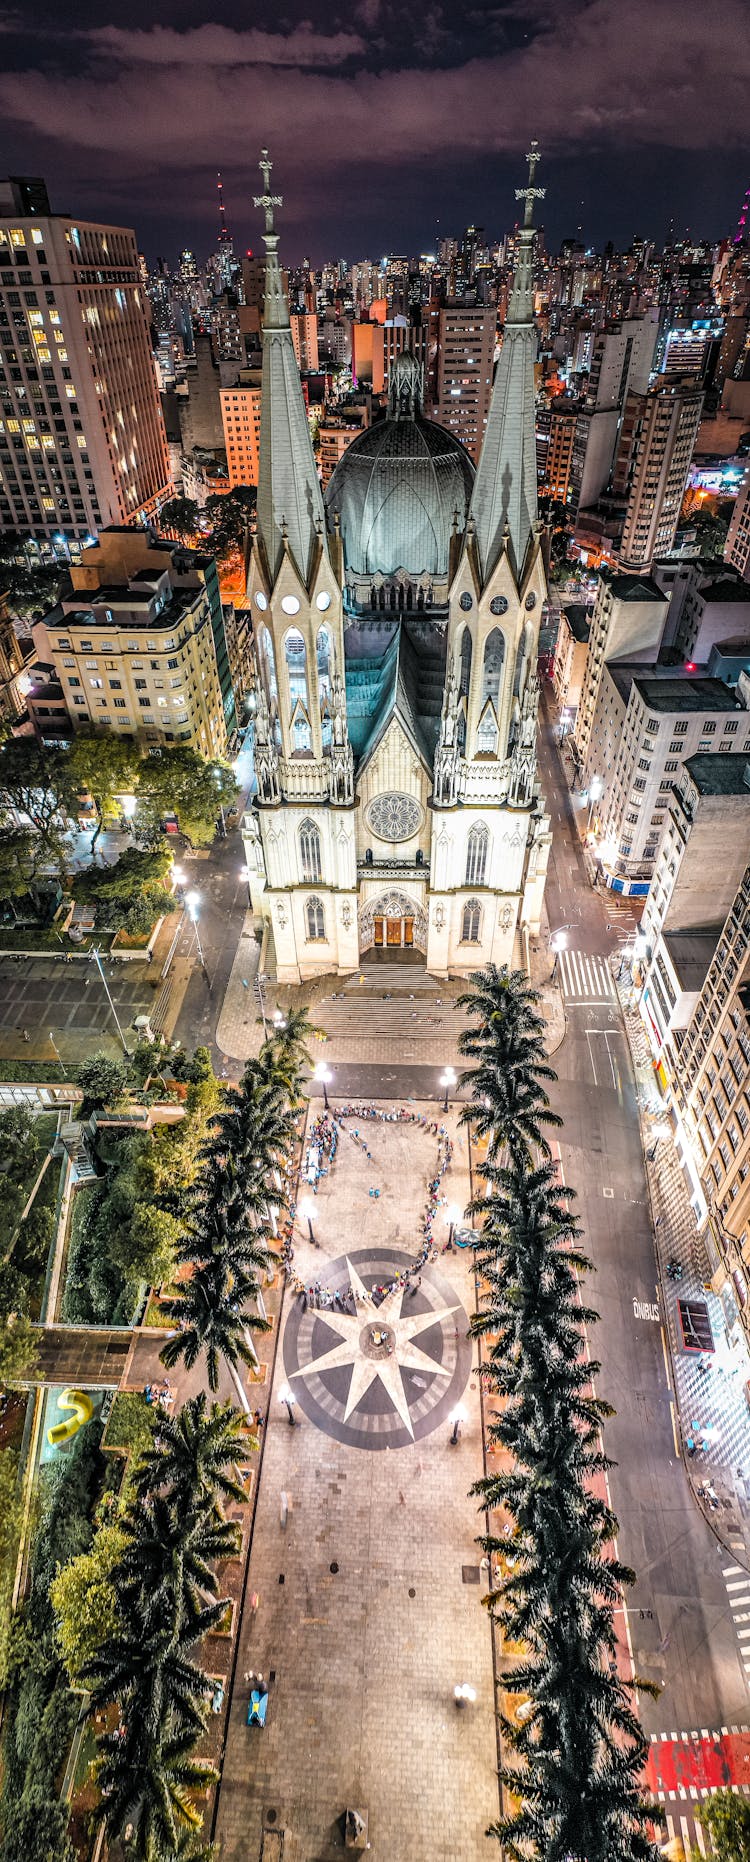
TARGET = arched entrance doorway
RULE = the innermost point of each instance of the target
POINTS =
(394, 924)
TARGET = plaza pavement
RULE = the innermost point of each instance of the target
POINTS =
(368, 1609)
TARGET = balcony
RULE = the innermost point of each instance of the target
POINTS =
(393, 869)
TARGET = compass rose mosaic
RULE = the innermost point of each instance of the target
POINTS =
(387, 1363)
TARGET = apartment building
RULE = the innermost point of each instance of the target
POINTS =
(647, 724)
(710, 1091)
(627, 623)
(240, 414)
(82, 441)
(652, 464)
(138, 644)
(737, 546)
(708, 603)
(466, 346)
(304, 328)
(571, 654)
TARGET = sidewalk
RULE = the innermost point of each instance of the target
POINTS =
(712, 1402)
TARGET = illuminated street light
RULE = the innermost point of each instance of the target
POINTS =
(128, 806)
(306, 1209)
(287, 1396)
(192, 901)
(463, 1694)
(447, 1079)
(457, 1416)
(452, 1215)
(323, 1074)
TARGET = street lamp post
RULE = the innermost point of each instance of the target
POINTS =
(57, 1054)
(463, 1694)
(97, 960)
(596, 790)
(447, 1079)
(452, 1215)
(192, 901)
(305, 1209)
(323, 1074)
(287, 1397)
(457, 1416)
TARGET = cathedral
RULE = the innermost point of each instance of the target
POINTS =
(396, 627)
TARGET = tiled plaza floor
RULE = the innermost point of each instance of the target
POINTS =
(369, 1607)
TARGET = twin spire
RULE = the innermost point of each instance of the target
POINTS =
(504, 500)
(290, 501)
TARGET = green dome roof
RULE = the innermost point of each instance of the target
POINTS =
(396, 489)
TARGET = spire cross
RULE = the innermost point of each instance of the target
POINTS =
(267, 200)
(531, 193)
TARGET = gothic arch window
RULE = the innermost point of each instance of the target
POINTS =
(476, 855)
(471, 919)
(487, 731)
(316, 921)
(296, 667)
(464, 664)
(309, 847)
(324, 657)
(269, 666)
(494, 655)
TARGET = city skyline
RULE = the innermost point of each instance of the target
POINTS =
(640, 112)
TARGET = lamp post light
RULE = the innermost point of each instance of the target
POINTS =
(287, 1396)
(306, 1210)
(94, 954)
(451, 1215)
(57, 1054)
(463, 1694)
(192, 901)
(128, 806)
(447, 1079)
(323, 1074)
(457, 1416)
(596, 790)
(279, 1021)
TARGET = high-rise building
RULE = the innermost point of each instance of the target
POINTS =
(737, 546)
(304, 326)
(240, 413)
(558, 463)
(396, 628)
(653, 464)
(82, 441)
(466, 344)
(138, 643)
(621, 358)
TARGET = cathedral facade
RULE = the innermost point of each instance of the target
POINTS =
(396, 628)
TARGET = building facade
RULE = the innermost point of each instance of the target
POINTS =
(652, 466)
(466, 346)
(737, 547)
(240, 413)
(138, 645)
(82, 441)
(396, 631)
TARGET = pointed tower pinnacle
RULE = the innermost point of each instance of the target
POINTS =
(505, 485)
(290, 501)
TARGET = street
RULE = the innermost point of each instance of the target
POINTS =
(681, 1627)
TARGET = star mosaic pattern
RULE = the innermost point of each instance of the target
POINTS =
(389, 1372)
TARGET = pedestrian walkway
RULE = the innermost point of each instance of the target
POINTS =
(712, 1420)
(239, 1030)
(585, 979)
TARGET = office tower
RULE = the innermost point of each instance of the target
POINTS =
(396, 628)
(82, 442)
(138, 643)
(653, 464)
(466, 346)
(240, 413)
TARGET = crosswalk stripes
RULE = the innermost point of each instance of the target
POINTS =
(737, 1581)
(691, 1832)
(584, 978)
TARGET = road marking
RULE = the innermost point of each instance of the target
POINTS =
(643, 1310)
(585, 978)
(674, 1429)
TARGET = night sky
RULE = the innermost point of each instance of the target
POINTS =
(390, 124)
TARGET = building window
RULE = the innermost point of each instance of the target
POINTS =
(476, 855)
(316, 924)
(309, 846)
(296, 666)
(470, 922)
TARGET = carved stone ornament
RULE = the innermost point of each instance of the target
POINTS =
(346, 915)
(394, 817)
(281, 913)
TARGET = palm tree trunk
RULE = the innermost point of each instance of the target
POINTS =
(240, 1388)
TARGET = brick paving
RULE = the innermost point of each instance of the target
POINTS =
(369, 1605)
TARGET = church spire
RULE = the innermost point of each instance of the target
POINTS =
(505, 485)
(290, 501)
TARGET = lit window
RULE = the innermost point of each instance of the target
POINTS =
(70, 391)
(37, 236)
(17, 237)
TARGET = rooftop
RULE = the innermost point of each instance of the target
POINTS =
(673, 688)
(691, 953)
(635, 588)
(578, 618)
(720, 773)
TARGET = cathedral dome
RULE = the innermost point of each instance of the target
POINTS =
(398, 485)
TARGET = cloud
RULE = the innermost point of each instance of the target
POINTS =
(215, 46)
(591, 75)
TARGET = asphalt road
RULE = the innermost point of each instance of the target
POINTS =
(678, 1616)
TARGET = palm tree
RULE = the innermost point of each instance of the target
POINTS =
(211, 1319)
(167, 1563)
(510, 1107)
(148, 1788)
(194, 1454)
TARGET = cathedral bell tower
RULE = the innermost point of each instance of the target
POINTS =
(490, 836)
(300, 842)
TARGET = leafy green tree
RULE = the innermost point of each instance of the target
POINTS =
(179, 781)
(727, 1819)
(180, 517)
(146, 1248)
(40, 783)
(103, 1080)
(18, 1345)
(32, 588)
(84, 1601)
(230, 515)
(132, 891)
(106, 765)
(35, 1829)
(18, 861)
(20, 1158)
